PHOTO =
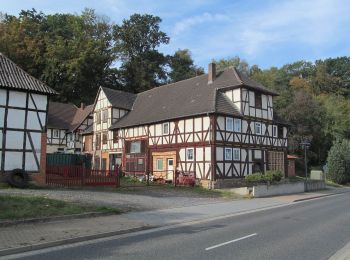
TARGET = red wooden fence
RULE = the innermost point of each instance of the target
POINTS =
(72, 175)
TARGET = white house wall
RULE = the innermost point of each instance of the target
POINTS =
(22, 122)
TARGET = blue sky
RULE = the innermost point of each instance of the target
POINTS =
(263, 32)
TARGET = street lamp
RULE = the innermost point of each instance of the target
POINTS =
(305, 145)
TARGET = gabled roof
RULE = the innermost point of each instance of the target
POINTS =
(120, 99)
(189, 97)
(13, 77)
(66, 116)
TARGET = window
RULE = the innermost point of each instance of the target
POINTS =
(189, 154)
(229, 124)
(280, 132)
(274, 131)
(55, 133)
(104, 116)
(115, 137)
(236, 154)
(258, 128)
(165, 128)
(98, 118)
(258, 100)
(104, 138)
(228, 154)
(135, 147)
(104, 164)
(159, 164)
(237, 125)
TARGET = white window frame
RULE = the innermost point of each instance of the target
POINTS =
(229, 122)
(237, 125)
(165, 132)
(256, 124)
(228, 158)
(134, 143)
(56, 131)
(187, 154)
(274, 131)
(236, 151)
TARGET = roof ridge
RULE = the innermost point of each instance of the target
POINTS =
(235, 71)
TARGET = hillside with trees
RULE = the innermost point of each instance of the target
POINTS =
(77, 53)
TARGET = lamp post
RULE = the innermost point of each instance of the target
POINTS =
(305, 145)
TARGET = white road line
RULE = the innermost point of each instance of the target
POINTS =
(231, 241)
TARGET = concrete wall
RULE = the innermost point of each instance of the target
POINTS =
(278, 189)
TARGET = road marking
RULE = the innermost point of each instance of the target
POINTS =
(231, 241)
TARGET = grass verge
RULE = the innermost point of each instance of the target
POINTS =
(23, 207)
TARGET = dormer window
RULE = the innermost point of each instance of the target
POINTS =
(258, 101)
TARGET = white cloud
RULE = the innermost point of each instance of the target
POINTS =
(188, 23)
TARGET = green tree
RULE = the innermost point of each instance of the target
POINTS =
(71, 53)
(338, 162)
(182, 66)
(236, 61)
(136, 43)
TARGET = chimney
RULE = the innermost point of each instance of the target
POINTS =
(211, 72)
(82, 105)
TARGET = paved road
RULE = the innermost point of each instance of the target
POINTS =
(308, 230)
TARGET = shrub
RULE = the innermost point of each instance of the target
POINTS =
(269, 176)
(273, 176)
(338, 162)
(255, 178)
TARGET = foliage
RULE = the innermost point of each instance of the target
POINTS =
(236, 61)
(136, 43)
(338, 162)
(68, 52)
(267, 177)
(182, 66)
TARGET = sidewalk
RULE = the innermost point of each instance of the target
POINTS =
(25, 237)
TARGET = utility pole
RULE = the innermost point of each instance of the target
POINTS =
(305, 144)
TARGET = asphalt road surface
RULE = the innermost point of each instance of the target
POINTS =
(314, 229)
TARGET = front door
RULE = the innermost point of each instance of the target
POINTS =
(170, 169)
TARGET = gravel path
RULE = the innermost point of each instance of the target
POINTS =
(140, 199)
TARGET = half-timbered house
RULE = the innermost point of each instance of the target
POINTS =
(219, 126)
(23, 118)
(65, 125)
(110, 105)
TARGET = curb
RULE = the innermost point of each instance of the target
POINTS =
(321, 196)
(17, 250)
(55, 218)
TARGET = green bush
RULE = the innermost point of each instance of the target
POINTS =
(273, 176)
(338, 162)
(255, 178)
(269, 176)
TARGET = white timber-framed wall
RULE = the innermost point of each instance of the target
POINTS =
(107, 148)
(56, 140)
(74, 138)
(23, 116)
